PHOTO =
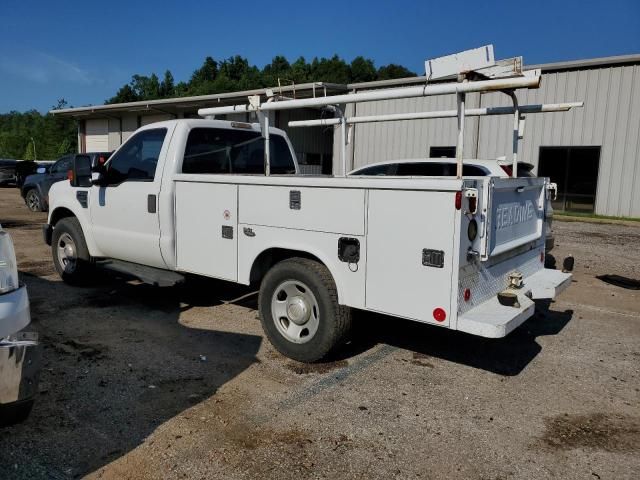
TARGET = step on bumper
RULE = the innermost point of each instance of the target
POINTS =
(492, 320)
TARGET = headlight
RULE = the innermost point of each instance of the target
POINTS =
(8, 266)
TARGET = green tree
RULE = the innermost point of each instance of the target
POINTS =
(392, 71)
(362, 70)
(29, 153)
(206, 73)
(64, 147)
(236, 73)
(167, 87)
(123, 95)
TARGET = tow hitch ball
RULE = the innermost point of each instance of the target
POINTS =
(509, 297)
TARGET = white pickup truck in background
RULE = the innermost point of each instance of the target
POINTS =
(222, 199)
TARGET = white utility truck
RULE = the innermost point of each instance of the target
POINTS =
(223, 199)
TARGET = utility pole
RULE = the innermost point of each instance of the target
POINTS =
(35, 155)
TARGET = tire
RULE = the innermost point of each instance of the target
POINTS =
(70, 253)
(299, 294)
(33, 200)
(13, 413)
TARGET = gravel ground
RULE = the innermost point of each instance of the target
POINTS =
(142, 382)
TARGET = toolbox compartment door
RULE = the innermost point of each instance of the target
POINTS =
(410, 238)
(206, 229)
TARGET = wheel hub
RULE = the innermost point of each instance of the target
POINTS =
(298, 310)
(68, 251)
(295, 311)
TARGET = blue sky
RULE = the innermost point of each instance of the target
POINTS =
(84, 51)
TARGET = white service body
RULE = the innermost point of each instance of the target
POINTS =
(221, 225)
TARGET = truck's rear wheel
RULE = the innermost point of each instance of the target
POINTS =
(299, 310)
(70, 253)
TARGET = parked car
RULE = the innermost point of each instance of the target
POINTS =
(35, 189)
(7, 171)
(439, 167)
(25, 168)
(19, 350)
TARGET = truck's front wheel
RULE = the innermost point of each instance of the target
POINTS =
(299, 310)
(70, 253)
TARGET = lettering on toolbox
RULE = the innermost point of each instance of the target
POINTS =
(509, 214)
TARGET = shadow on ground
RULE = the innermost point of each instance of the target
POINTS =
(117, 365)
(505, 356)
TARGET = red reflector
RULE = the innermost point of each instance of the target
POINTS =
(508, 169)
(70, 175)
(467, 294)
(439, 314)
(458, 200)
(541, 257)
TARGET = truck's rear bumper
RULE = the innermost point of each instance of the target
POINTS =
(492, 320)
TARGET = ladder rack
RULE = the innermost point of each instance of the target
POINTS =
(488, 75)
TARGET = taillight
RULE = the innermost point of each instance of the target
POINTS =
(508, 169)
(458, 200)
(101, 159)
(439, 314)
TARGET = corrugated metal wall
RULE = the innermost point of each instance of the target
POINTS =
(376, 142)
(610, 119)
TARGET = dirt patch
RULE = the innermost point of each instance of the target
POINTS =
(613, 433)
(306, 368)
(421, 360)
(81, 349)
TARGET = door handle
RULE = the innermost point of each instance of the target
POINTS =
(151, 204)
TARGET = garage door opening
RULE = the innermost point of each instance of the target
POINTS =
(575, 170)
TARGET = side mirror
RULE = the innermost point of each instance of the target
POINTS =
(41, 170)
(80, 173)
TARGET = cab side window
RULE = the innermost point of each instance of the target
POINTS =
(62, 166)
(137, 160)
(220, 150)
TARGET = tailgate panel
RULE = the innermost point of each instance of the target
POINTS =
(516, 213)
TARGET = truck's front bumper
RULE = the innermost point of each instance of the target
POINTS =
(494, 320)
(14, 311)
(19, 350)
(20, 362)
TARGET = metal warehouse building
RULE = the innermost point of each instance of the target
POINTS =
(591, 152)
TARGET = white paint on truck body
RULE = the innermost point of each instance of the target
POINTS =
(218, 225)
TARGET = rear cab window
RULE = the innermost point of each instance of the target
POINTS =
(231, 151)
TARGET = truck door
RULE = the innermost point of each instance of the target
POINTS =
(124, 212)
